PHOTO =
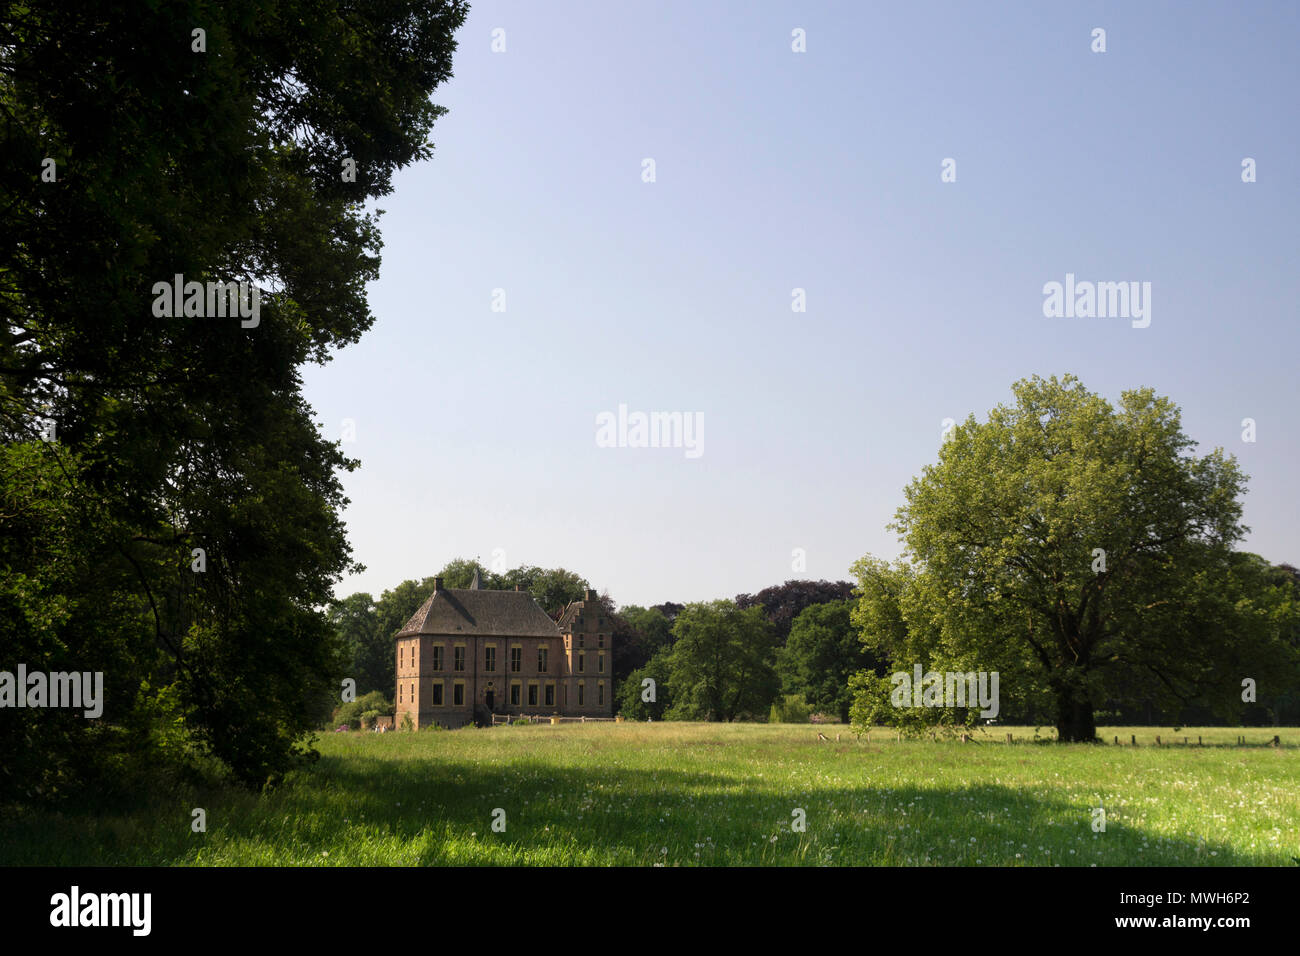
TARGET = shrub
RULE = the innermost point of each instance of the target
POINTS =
(350, 714)
(790, 709)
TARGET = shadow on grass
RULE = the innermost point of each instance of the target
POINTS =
(432, 811)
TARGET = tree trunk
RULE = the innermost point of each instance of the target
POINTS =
(1075, 722)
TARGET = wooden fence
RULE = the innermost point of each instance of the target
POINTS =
(548, 719)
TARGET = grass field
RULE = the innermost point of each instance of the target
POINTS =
(709, 794)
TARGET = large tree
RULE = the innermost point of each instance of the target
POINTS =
(1084, 552)
(237, 142)
(782, 603)
(369, 656)
(823, 651)
(720, 666)
(639, 633)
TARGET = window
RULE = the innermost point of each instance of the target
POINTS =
(516, 659)
(437, 657)
(458, 694)
(490, 658)
(581, 694)
(514, 694)
(582, 640)
(543, 652)
(437, 693)
(600, 640)
(582, 662)
(600, 693)
(600, 664)
(459, 657)
(532, 695)
(550, 695)
(399, 693)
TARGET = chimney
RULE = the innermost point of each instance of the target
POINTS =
(437, 585)
(590, 596)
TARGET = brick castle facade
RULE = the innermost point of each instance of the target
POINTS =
(469, 653)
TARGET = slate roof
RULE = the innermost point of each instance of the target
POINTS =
(478, 613)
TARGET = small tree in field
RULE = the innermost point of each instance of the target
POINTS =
(789, 709)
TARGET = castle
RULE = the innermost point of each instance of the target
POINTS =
(470, 653)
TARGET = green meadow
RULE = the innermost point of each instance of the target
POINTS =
(718, 794)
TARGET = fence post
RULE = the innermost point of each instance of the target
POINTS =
(1008, 737)
(1135, 740)
(1157, 740)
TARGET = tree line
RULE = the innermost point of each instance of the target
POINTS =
(1081, 551)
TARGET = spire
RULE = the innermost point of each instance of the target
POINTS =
(476, 584)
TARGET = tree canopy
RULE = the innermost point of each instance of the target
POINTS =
(721, 663)
(782, 603)
(823, 651)
(167, 490)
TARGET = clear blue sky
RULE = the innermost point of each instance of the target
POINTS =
(820, 170)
